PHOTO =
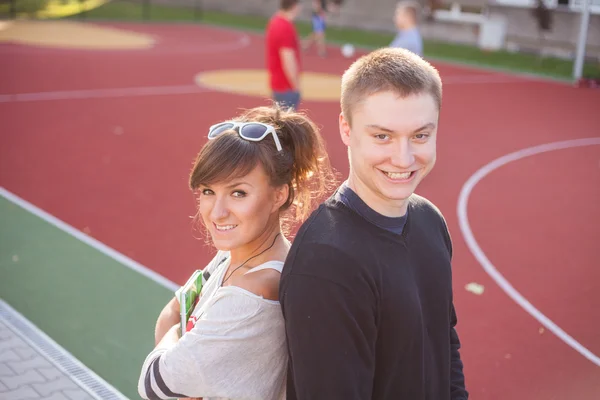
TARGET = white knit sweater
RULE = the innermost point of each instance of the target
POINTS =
(236, 350)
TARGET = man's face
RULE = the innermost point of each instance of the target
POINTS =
(295, 10)
(402, 17)
(392, 147)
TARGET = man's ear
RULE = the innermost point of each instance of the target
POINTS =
(344, 129)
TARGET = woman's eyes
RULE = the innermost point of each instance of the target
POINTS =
(235, 193)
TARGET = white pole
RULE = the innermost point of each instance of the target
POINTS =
(583, 30)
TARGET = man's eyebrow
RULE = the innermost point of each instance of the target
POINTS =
(380, 128)
(429, 125)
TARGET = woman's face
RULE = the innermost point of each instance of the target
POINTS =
(239, 213)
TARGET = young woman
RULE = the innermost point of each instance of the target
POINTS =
(255, 175)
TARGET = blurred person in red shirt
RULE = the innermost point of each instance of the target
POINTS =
(283, 55)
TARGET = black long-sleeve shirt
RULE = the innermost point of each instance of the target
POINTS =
(369, 313)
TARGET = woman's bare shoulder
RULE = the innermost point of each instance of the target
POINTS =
(263, 283)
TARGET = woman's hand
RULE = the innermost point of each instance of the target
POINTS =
(168, 317)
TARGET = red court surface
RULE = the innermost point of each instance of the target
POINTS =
(104, 140)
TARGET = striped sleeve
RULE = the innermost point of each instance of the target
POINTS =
(214, 359)
(151, 385)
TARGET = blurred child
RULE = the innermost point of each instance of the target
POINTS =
(407, 20)
(319, 25)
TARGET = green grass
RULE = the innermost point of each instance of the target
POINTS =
(125, 11)
(22, 6)
(503, 60)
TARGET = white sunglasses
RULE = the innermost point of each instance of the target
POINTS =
(252, 131)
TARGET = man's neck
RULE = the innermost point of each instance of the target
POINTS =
(382, 206)
(286, 15)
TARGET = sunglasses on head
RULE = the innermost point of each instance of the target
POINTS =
(252, 131)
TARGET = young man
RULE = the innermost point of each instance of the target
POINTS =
(366, 290)
(283, 55)
(406, 19)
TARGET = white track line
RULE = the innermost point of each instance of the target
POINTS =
(101, 93)
(487, 265)
(141, 91)
(96, 244)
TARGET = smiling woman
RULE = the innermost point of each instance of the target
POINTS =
(255, 169)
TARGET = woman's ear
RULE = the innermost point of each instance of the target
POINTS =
(282, 194)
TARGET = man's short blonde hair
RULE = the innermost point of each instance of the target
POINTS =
(388, 69)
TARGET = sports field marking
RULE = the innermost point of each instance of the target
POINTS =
(96, 244)
(102, 93)
(74, 35)
(314, 86)
(240, 42)
(61, 359)
(487, 265)
(319, 87)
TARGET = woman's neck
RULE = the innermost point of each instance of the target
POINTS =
(271, 245)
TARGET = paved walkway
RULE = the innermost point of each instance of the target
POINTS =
(32, 366)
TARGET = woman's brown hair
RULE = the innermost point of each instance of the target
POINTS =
(303, 164)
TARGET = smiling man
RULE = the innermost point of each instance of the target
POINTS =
(366, 289)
